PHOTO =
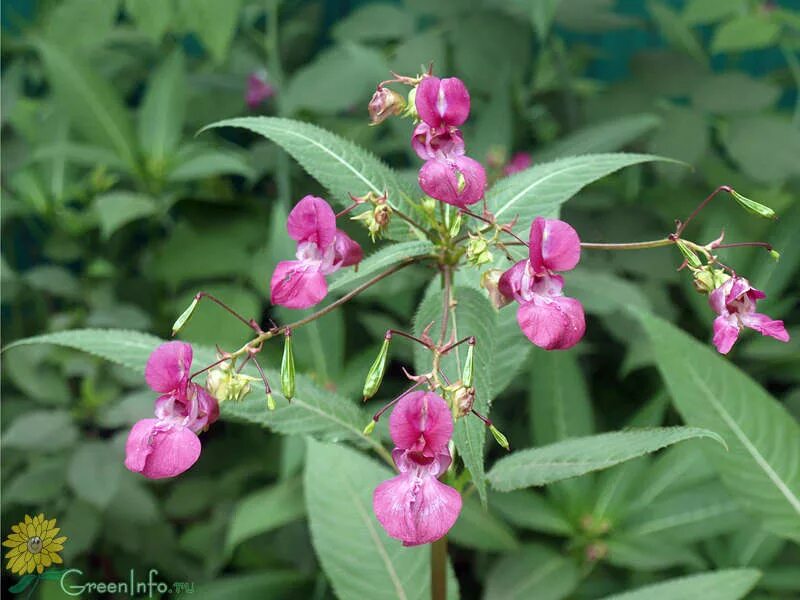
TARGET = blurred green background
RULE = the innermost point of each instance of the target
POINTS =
(115, 212)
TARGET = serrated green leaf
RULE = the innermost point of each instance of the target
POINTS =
(477, 528)
(533, 572)
(474, 316)
(379, 261)
(543, 188)
(729, 584)
(264, 510)
(576, 456)
(607, 136)
(347, 537)
(117, 209)
(338, 164)
(761, 468)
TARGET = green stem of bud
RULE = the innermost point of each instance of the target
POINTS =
(287, 367)
(378, 369)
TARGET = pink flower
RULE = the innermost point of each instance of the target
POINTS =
(519, 162)
(168, 445)
(258, 90)
(415, 507)
(459, 181)
(735, 303)
(431, 143)
(442, 102)
(321, 250)
(547, 318)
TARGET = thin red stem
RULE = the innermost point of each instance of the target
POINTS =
(249, 322)
(701, 206)
(765, 245)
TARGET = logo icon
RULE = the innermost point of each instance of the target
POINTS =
(34, 546)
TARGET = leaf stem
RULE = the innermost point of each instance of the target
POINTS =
(439, 569)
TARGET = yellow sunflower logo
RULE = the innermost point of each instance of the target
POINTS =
(34, 545)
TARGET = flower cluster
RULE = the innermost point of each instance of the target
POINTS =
(168, 445)
(548, 318)
(734, 301)
(415, 507)
(447, 175)
(321, 250)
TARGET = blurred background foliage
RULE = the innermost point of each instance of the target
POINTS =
(115, 212)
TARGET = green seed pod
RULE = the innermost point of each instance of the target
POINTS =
(776, 256)
(754, 207)
(691, 258)
(378, 369)
(369, 428)
(469, 367)
(287, 367)
(499, 437)
(270, 402)
(185, 316)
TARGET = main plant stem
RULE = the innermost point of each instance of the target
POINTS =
(439, 569)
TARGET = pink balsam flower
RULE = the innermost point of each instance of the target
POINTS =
(459, 181)
(735, 303)
(258, 90)
(321, 250)
(415, 507)
(168, 445)
(442, 102)
(547, 318)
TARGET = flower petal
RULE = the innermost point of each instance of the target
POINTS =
(726, 331)
(296, 285)
(554, 246)
(347, 251)
(421, 422)
(157, 450)
(416, 509)
(552, 323)
(766, 326)
(169, 366)
(442, 101)
(458, 181)
(312, 220)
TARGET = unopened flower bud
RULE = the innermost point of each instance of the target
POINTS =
(369, 428)
(776, 256)
(491, 283)
(226, 385)
(270, 402)
(385, 103)
(378, 369)
(499, 437)
(478, 251)
(706, 280)
(754, 207)
(463, 400)
(287, 367)
(185, 316)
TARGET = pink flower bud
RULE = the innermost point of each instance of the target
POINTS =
(385, 103)
(519, 162)
(258, 90)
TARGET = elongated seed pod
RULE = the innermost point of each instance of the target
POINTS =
(185, 316)
(287, 367)
(378, 369)
(469, 367)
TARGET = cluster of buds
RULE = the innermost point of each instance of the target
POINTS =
(377, 218)
(225, 384)
(478, 253)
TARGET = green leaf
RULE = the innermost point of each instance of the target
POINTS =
(117, 209)
(734, 92)
(650, 554)
(379, 261)
(201, 163)
(533, 572)
(360, 560)
(675, 31)
(41, 431)
(214, 23)
(264, 584)
(746, 32)
(728, 584)
(604, 293)
(530, 510)
(264, 510)
(94, 472)
(42, 482)
(761, 467)
(80, 25)
(477, 528)
(607, 136)
(573, 457)
(163, 109)
(474, 316)
(703, 12)
(374, 22)
(763, 146)
(542, 189)
(93, 105)
(542, 14)
(153, 17)
(338, 164)
(22, 583)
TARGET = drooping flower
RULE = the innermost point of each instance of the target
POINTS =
(168, 445)
(459, 181)
(34, 545)
(734, 301)
(385, 103)
(519, 162)
(547, 318)
(321, 250)
(258, 90)
(415, 507)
